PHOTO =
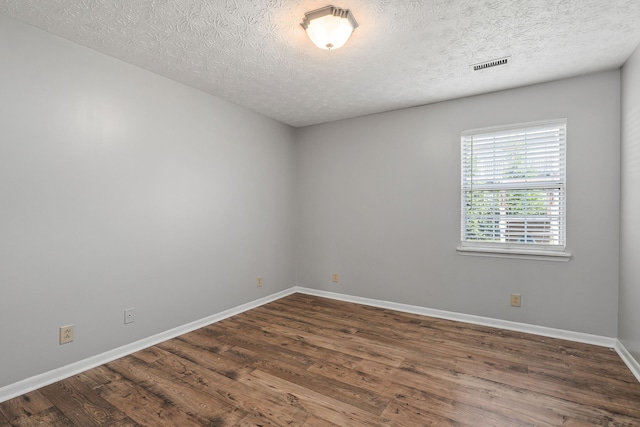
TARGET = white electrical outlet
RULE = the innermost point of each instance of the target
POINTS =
(129, 315)
(66, 334)
(259, 282)
(335, 277)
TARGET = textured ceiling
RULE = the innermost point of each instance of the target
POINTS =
(404, 53)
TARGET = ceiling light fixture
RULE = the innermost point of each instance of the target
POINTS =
(329, 27)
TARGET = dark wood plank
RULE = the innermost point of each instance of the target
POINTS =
(568, 389)
(383, 386)
(314, 421)
(51, 417)
(462, 339)
(3, 420)
(324, 406)
(144, 407)
(219, 363)
(26, 405)
(315, 362)
(79, 404)
(350, 394)
(207, 409)
(267, 407)
(258, 342)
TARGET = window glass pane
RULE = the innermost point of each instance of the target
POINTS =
(513, 186)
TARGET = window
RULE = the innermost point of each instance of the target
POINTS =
(513, 190)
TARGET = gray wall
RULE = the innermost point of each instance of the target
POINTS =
(120, 188)
(379, 203)
(629, 308)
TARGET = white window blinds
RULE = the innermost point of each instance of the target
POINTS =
(513, 186)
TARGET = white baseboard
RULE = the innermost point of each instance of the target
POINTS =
(628, 359)
(468, 318)
(41, 380)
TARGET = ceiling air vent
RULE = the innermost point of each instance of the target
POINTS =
(489, 64)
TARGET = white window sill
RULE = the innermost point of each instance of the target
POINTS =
(540, 255)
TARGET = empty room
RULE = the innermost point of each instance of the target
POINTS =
(358, 213)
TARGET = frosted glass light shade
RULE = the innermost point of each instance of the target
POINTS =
(329, 27)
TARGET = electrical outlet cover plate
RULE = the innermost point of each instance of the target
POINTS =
(516, 300)
(66, 334)
(335, 277)
(129, 315)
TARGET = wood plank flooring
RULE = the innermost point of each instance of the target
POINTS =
(314, 362)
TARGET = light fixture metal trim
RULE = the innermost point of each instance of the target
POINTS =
(329, 27)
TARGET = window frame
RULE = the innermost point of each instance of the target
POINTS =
(510, 249)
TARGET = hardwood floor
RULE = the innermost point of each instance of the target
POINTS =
(309, 361)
